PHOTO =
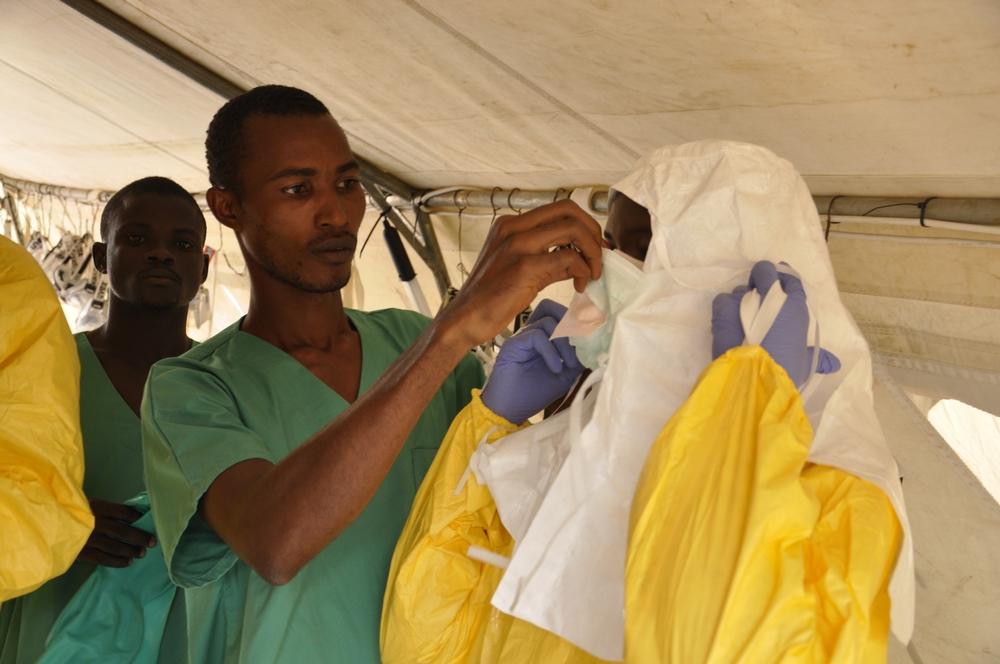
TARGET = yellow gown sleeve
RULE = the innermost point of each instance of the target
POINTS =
(437, 600)
(46, 518)
(740, 550)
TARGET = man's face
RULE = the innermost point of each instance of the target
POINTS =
(628, 228)
(154, 254)
(301, 202)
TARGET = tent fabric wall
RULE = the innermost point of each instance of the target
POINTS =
(956, 528)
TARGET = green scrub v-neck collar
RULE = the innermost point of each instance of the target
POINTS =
(90, 360)
(287, 364)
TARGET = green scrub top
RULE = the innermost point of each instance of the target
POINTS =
(237, 397)
(112, 453)
(120, 615)
(112, 449)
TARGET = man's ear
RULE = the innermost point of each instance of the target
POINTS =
(224, 206)
(100, 253)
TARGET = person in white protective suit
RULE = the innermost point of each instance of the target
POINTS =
(699, 216)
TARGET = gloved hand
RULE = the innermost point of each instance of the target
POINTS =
(786, 340)
(531, 370)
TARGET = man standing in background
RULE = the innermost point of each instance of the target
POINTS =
(152, 251)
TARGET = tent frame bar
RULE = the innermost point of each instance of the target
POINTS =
(153, 46)
(202, 75)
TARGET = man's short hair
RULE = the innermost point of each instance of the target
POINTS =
(156, 185)
(224, 142)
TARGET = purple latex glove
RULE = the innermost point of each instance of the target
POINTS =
(786, 340)
(531, 370)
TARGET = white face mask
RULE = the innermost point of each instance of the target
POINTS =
(589, 322)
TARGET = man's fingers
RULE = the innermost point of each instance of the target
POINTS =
(567, 353)
(725, 305)
(828, 362)
(546, 350)
(510, 224)
(727, 330)
(549, 268)
(558, 234)
(124, 533)
(762, 276)
(115, 511)
(113, 547)
(546, 325)
(518, 260)
(548, 226)
(791, 284)
(547, 309)
(98, 557)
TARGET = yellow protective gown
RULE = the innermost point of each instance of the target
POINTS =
(437, 599)
(740, 550)
(44, 515)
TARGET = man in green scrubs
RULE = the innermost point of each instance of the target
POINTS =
(282, 456)
(154, 235)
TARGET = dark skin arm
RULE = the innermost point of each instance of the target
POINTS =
(277, 517)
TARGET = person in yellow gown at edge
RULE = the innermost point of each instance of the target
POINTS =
(44, 514)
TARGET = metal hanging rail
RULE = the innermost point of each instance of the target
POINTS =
(513, 200)
(969, 214)
(86, 196)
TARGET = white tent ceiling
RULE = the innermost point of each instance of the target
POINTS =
(886, 97)
(881, 98)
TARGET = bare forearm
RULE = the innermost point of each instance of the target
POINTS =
(291, 510)
(278, 517)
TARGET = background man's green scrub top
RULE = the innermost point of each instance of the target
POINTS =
(120, 615)
(112, 448)
(237, 397)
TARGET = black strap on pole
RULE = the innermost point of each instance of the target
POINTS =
(404, 268)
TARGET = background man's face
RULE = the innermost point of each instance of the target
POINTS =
(628, 228)
(301, 201)
(155, 252)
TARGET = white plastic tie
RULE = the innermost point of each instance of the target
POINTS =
(464, 479)
(488, 557)
(758, 315)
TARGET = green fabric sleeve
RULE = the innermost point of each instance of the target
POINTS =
(192, 431)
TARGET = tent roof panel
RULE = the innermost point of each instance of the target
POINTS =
(862, 98)
(90, 109)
